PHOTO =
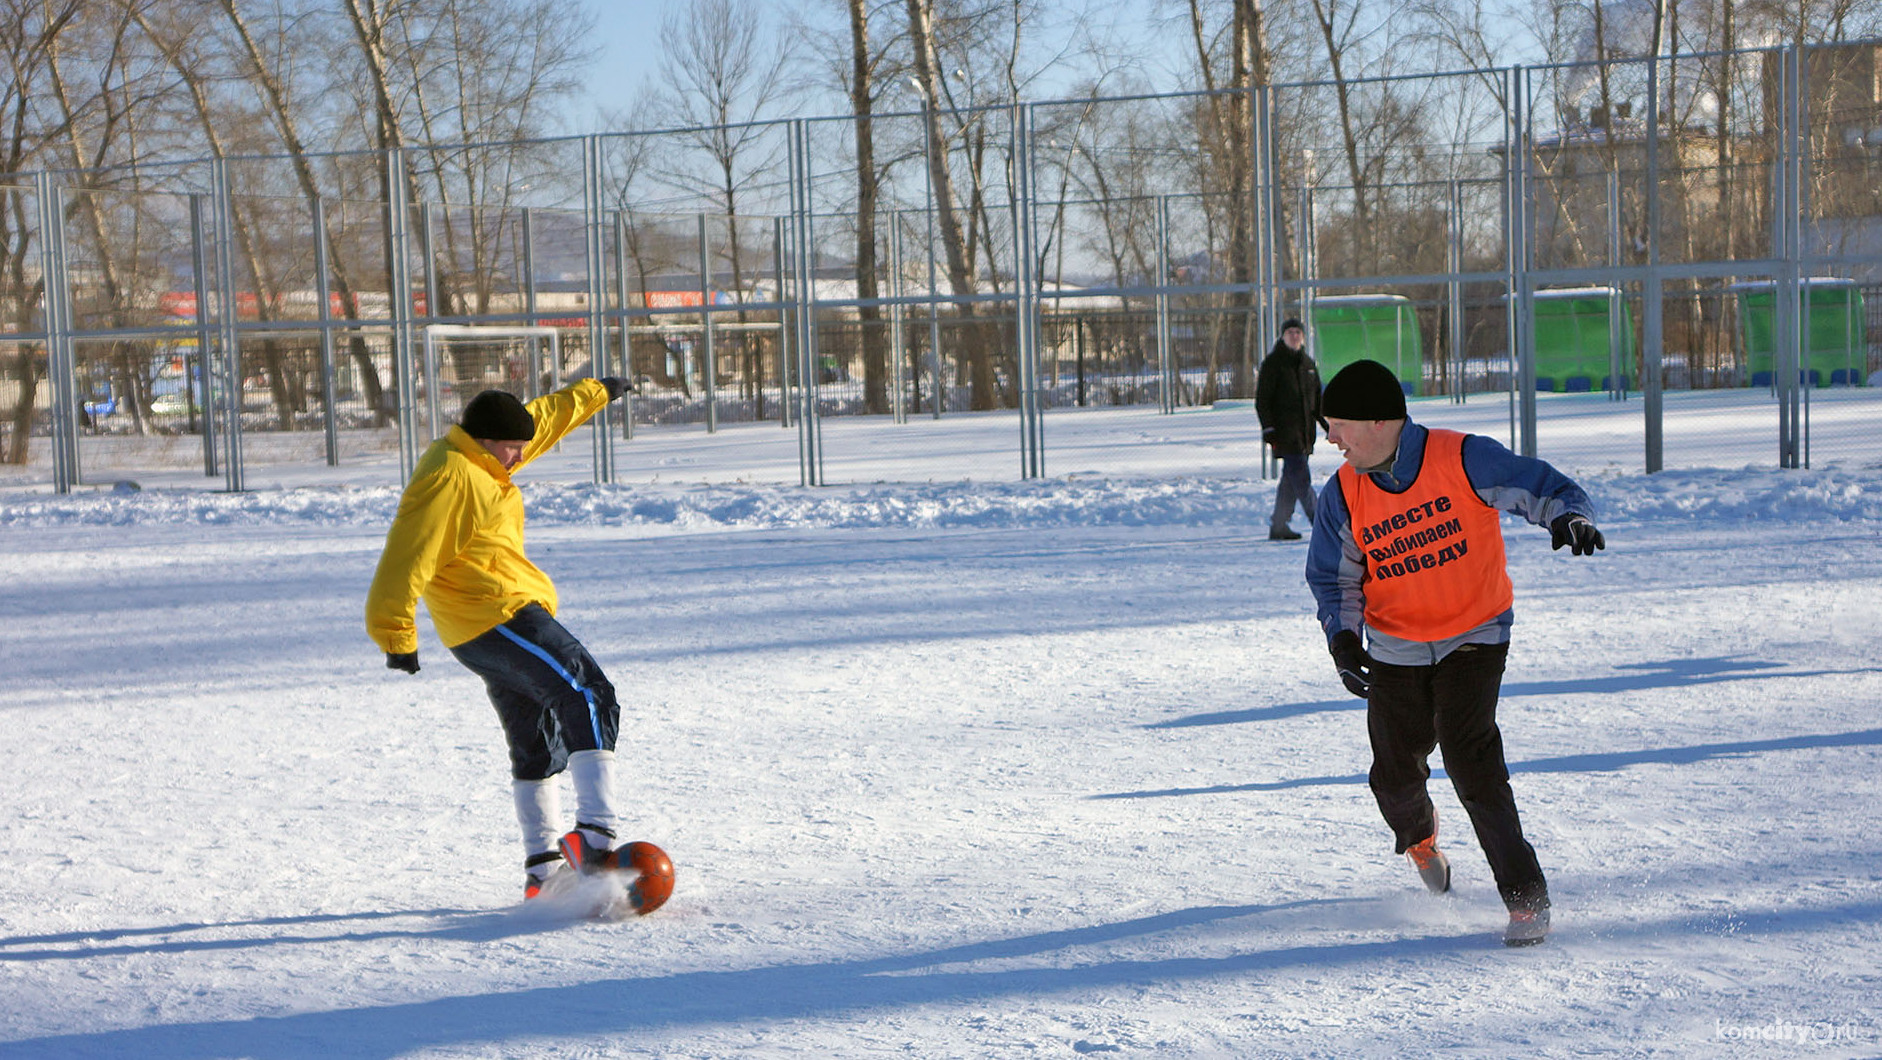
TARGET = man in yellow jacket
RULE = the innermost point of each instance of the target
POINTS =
(457, 543)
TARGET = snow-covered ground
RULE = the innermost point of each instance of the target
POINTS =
(947, 767)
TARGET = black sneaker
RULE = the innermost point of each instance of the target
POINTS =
(1527, 927)
(1529, 920)
(1283, 533)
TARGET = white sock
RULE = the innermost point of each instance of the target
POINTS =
(539, 812)
(593, 773)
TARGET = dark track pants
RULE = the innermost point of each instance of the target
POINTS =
(1450, 706)
(549, 692)
(1295, 487)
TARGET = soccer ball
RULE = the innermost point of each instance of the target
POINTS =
(654, 884)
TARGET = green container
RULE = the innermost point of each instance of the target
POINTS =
(1573, 339)
(1380, 327)
(1835, 342)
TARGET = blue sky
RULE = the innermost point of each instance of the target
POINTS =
(627, 33)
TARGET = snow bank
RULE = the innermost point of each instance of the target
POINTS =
(1836, 494)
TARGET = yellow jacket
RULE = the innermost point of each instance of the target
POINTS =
(457, 540)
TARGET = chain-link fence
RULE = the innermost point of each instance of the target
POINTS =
(1557, 239)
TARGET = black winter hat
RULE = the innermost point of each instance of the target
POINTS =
(1363, 390)
(1292, 322)
(498, 416)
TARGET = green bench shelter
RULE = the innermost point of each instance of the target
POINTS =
(1380, 327)
(1835, 338)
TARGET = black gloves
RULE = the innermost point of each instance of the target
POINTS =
(1355, 666)
(1577, 533)
(404, 660)
(1267, 434)
(616, 386)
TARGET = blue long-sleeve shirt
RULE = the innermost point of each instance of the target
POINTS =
(1507, 482)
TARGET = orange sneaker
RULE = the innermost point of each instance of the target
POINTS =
(538, 870)
(586, 849)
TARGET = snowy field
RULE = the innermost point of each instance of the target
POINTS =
(948, 768)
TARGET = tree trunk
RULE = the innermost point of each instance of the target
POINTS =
(874, 346)
(953, 239)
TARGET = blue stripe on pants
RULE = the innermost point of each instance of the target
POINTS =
(594, 717)
(548, 691)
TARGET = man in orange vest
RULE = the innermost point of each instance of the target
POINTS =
(1408, 548)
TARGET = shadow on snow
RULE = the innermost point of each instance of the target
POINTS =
(1582, 763)
(622, 1006)
(1676, 673)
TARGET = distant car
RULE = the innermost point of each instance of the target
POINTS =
(172, 404)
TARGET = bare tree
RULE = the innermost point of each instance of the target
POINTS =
(955, 243)
(724, 71)
(30, 33)
(1231, 61)
(862, 84)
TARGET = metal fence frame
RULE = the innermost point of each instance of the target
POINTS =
(799, 301)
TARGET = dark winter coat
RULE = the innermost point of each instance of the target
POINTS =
(1287, 399)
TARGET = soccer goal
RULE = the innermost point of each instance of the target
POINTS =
(463, 360)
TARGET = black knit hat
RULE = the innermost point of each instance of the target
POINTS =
(1363, 390)
(1292, 322)
(498, 416)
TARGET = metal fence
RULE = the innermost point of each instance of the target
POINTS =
(1621, 230)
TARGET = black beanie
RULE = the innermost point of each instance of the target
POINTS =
(498, 416)
(1363, 390)
(1291, 322)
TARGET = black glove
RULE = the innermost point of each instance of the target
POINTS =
(616, 386)
(1267, 434)
(1354, 664)
(1577, 533)
(402, 660)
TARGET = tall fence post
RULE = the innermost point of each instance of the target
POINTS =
(1516, 254)
(809, 427)
(230, 337)
(709, 358)
(1309, 254)
(1457, 364)
(1267, 244)
(429, 361)
(1166, 401)
(1522, 254)
(594, 247)
(898, 312)
(621, 300)
(1787, 315)
(203, 382)
(1027, 296)
(1653, 293)
(398, 298)
(323, 293)
(781, 229)
(61, 371)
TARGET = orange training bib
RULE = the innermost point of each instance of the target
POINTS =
(1434, 554)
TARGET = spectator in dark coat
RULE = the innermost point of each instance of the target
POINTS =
(1287, 399)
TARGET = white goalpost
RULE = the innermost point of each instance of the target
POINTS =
(509, 358)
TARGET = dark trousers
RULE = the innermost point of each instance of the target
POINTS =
(1295, 487)
(549, 692)
(1450, 706)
